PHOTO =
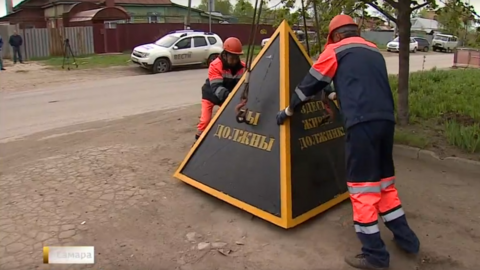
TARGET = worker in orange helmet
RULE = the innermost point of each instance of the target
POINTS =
(359, 73)
(223, 75)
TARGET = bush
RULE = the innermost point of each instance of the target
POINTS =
(451, 100)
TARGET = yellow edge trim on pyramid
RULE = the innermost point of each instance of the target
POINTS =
(222, 196)
(340, 198)
(319, 209)
(285, 155)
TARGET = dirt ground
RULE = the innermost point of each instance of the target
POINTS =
(33, 75)
(110, 185)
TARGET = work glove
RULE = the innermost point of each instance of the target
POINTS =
(283, 115)
(196, 138)
(222, 94)
(332, 96)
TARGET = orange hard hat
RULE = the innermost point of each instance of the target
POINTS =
(233, 45)
(337, 22)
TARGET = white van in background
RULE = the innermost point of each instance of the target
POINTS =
(444, 43)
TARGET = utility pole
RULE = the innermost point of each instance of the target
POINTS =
(317, 25)
(189, 10)
(211, 8)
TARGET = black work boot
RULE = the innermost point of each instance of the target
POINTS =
(359, 261)
(196, 139)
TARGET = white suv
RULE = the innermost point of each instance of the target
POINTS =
(178, 48)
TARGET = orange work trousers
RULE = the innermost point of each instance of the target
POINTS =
(205, 115)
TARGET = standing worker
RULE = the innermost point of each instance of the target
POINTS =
(223, 75)
(1, 59)
(16, 42)
(360, 76)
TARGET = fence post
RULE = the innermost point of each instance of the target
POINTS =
(469, 57)
(455, 58)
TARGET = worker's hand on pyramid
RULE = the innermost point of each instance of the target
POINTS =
(283, 115)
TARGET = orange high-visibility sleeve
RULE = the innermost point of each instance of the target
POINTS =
(317, 79)
(325, 67)
(215, 74)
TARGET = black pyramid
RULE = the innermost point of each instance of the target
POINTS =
(284, 174)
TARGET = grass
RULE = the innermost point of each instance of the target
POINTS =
(91, 61)
(444, 110)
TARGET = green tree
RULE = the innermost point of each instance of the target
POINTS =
(222, 6)
(456, 18)
(243, 10)
(275, 16)
(402, 12)
(326, 10)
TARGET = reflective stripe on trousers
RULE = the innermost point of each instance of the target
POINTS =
(390, 206)
(370, 198)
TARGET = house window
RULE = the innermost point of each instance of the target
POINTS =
(153, 17)
(132, 18)
(111, 25)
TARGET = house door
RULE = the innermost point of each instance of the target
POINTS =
(111, 41)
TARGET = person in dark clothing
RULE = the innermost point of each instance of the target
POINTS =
(359, 73)
(16, 42)
(223, 75)
(1, 60)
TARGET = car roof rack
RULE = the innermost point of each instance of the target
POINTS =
(190, 31)
(181, 31)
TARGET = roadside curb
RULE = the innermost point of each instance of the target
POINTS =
(431, 157)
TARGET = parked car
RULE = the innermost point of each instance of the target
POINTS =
(394, 45)
(444, 43)
(423, 44)
(178, 48)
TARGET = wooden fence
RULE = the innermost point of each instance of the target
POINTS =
(45, 42)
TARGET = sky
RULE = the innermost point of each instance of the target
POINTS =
(475, 3)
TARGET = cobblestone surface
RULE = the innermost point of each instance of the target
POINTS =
(111, 187)
(46, 204)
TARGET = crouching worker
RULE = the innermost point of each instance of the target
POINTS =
(223, 75)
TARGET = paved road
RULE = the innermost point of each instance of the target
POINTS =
(34, 111)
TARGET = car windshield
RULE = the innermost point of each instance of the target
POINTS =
(395, 40)
(166, 41)
(442, 38)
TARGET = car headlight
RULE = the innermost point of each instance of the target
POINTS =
(140, 54)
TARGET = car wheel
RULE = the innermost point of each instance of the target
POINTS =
(161, 65)
(211, 58)
(425, 49)
(388, 50)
